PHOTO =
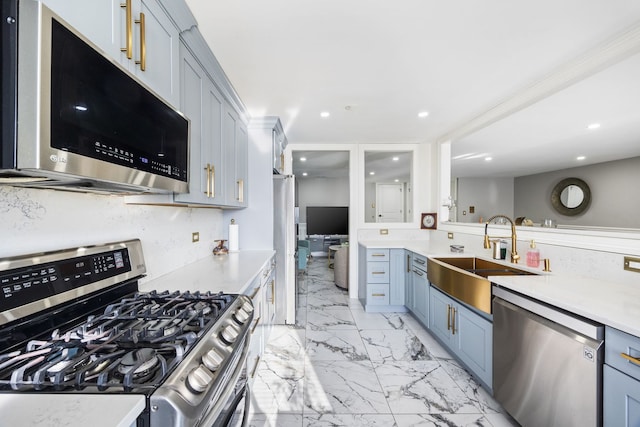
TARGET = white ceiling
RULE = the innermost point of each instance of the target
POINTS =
(374, 64)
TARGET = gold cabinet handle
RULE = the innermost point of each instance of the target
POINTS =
(208, 169)
(241, 190)
(281, 162)
(377, 254)
(377, 272)
(255, 325)
(408, 263)
(634, 360)
(448, 317)
(129, 31)
(255, 368)
(453, 320)
(211, 181)
(143, 45)
(378, 295)
(273, 292)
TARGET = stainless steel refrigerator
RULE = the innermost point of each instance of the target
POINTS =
(284, 242)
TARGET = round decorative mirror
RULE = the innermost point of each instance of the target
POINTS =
(571, 196)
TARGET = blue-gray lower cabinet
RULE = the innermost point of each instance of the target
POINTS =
(381, 276)
(467, 334)
(420, 286)
(621, 379)
(621, 394)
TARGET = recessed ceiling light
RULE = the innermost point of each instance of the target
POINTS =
(423, 114)
(395, 159)
(372, 173)
(304, 174)
(303, 159)
(488, 159)
(396, 180)
(593, 126)
(325, 114)
(580, 158)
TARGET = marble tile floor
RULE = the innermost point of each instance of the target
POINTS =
(341, 366)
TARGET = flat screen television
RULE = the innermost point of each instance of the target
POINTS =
(328, 220)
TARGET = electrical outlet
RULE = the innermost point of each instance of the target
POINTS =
(450, 235)
(472, 209)
(384, 231)
(195, 237)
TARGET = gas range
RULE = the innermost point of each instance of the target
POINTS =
(74, 321)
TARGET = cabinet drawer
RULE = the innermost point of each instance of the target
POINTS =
(377, 254)
(618, 343)
(378, 272)
(378, 294)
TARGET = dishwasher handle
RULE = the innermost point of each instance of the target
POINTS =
(558, 327)
(585, 327)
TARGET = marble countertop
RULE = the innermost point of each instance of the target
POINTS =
(70, 410)
(231, 273)
(610, 303)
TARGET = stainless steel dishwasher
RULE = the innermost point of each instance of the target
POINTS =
(547, 363)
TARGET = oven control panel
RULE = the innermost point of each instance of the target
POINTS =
(23, 285)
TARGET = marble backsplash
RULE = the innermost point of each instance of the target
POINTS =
(34, 220)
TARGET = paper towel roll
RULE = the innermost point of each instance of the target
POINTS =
(233, 236)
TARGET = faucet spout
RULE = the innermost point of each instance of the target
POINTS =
(514, 252)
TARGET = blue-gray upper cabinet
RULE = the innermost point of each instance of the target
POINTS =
(203, 104)
(235, 148)
(138, 34)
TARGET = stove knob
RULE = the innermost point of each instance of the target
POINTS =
(248, 307)
(212, 360)
(229, 334)
(199, 379)
(241, 316)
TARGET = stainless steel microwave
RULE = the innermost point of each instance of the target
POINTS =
(75, 119)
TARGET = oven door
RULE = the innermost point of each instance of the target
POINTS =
(236, 412)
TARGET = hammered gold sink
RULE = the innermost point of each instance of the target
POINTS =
(465, 278)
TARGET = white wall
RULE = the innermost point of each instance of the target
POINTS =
(40, 220)
(489, 196)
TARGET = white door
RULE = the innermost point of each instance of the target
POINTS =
(389, 203)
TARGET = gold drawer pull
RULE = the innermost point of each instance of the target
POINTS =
(448, 317)
(378, 254)
(378, 272)
(634, 360)
(378, 295)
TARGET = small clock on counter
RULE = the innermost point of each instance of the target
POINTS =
(429, 221)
